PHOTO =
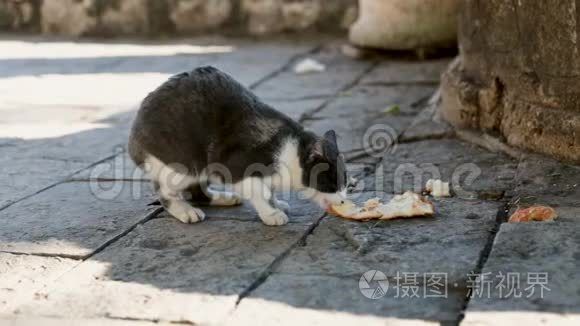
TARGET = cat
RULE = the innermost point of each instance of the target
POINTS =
(202, 127)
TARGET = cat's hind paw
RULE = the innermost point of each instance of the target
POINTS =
(184, 212)
(277, 217)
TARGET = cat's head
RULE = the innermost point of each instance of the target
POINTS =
(324, 171)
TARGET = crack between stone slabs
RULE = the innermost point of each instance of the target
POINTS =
(150, 320)
(501, 217)
(310, 114)
(403, 83)
(277, 261)
(56, 256)
(490, 143)
(434, 136)
(359, 153)
(298, 99)
(81, 259)
(284, 67)
(106, 180)
(64, 180)
(149, 216)
(48, 158)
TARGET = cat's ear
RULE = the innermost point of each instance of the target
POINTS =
(324, 146)
(317, 150)
(330, 136)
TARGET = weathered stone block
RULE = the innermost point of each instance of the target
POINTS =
(126, 17)
(184, 17)
(194, 16)
(68, 17)
(19, 15)
(517, 75)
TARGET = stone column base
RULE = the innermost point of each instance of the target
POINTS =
(496, 109)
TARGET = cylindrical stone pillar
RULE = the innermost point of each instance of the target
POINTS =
(518, 74)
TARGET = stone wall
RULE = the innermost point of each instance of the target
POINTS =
(175, 17)
(518, 74)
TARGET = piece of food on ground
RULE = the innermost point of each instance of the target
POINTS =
(350, 210)
(534, 213)
(309, 65)
(347, 208)
(408, 204)
(373, 203)
(437, 188)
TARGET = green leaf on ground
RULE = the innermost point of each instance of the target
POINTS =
(393, 109)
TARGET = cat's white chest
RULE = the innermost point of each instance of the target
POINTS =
(289, 172)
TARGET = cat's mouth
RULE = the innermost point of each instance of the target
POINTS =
(327, 205)
(325, 201)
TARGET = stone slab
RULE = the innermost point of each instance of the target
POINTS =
(24, 277)
(73, 219)
(250, 63)
(340, 72)
(170, 271)
(480, 174)
(325, 272)
(301, 210)
(407, 72)
(547, 182)
(327, 300)
(341, 247)
(428, 124)
(363, 114)
(21, 177)
(120, 167)
(426, 129)
(532, 318)
(121, 64)
(295, 109)
(52, 321)
(551, 249)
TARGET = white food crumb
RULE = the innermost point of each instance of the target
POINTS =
(309, 65)
(437, 188)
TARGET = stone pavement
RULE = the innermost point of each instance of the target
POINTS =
(80, 242)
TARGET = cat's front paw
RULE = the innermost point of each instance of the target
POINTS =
(277, 217)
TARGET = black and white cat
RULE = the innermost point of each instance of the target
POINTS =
(203, 127)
